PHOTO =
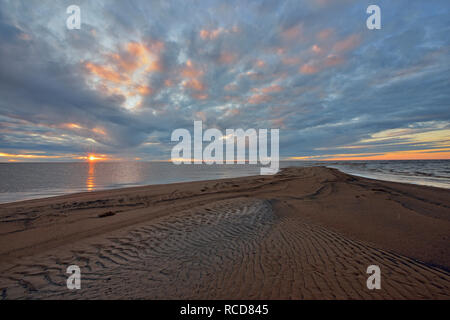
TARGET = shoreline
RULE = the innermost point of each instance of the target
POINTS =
(392, 178)
(321, 225)
(355, 174)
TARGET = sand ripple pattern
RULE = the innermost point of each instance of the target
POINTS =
(231, 249)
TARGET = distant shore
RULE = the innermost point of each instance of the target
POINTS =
(306, 233)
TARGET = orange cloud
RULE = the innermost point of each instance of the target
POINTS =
(291, 60)
(200, 96)
(259, 98)
(125, 73)
(333, 60)
(210, 34)
(325, 34)
(26, 156)
(308, 69)
(71, 126)
(293, 33)
(227, 57)
(272, 88)
(316, 49)
(144, 90)
(280, 51)
(347, 44)
(99, 131)
(127, 65)
(260, 63)
(138, 55)
(190, 71)
(194, 81)
(105, 72)
(318, 65)
(213, 34)
(195, 84)
(430, 154)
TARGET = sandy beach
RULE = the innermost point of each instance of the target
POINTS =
(306, 233)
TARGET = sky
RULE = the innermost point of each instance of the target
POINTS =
(136, 70)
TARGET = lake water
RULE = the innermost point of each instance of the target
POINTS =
(21, 181)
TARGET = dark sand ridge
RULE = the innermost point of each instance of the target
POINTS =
(305, 233)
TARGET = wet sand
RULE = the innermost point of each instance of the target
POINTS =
(306, 233)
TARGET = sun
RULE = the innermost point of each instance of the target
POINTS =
(92, 158)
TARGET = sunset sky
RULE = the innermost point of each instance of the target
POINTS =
(137, 70)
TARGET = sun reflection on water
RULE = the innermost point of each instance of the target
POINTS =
(90, 181)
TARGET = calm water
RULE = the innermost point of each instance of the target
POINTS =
(20, 181)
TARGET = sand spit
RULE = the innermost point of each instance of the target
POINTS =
(307, 233)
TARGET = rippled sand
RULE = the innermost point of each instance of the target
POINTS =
(283, 237)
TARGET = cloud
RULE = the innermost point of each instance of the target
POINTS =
(308, 69)
(127, 72)
(213, 34)
(138, 70)
(259, 99)
(347, 44)
(292, 33)
(272, 88)
(325, 34)
(105, 73)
